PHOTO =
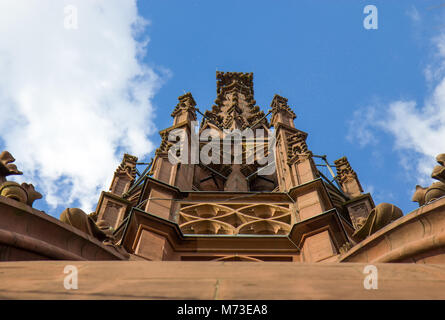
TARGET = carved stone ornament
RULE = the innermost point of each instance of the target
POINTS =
(165, 144)
(7, 167)
(186, 103)
(128, 166)
(345, 247)
(24, 193)
(13, 190)
(425, 195)
(297, 148)
(344, 170)
(382, 215)
(439, 171)
(235, 106)
(279, 104)
(437, 189)
(101, 230)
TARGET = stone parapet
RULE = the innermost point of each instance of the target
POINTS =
(417, 237)
(29, 234)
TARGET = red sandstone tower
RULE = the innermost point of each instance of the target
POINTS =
(230, 211)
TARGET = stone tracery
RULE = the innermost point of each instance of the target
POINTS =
(221, 218)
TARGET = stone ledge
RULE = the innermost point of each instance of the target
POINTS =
(218, 280)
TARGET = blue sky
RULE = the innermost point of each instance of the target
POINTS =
(315, 53)
(355, 91)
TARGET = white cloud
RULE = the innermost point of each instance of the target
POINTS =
(413, 14)
(361, 126)
(73, 100)
(418, 131)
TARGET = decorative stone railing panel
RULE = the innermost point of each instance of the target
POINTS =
(234, 218)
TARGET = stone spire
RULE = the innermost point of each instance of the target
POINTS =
(235, 106)
(124, 175)
(347, 178)
(281, 112)
(185, 109)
